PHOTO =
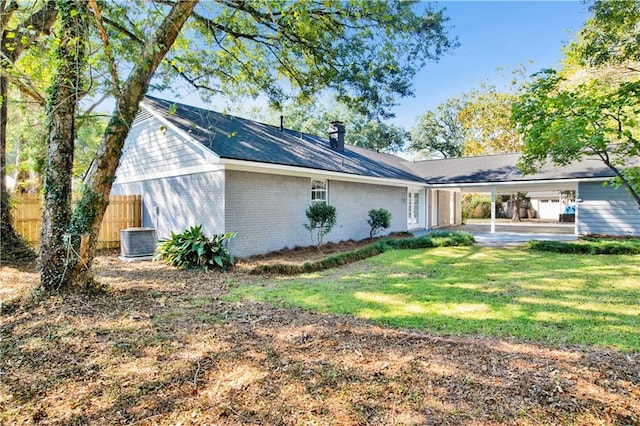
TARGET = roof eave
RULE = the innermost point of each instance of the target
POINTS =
(259, 167)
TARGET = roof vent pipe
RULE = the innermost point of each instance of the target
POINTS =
(282, 123)
(336, 136)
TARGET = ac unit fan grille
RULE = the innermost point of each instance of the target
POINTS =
(137, 242)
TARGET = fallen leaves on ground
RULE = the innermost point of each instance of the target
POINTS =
(162, 347)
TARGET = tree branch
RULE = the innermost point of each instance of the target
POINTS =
(40, 21)
(113, 69)
(6, 12)
(135, 38)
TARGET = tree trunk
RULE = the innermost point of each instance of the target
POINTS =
(12, 246)
(516, 208)
(56, 241)
(88, 214)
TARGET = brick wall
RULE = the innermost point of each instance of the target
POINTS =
(268, 211)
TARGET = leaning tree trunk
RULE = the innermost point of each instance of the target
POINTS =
(88, 214)
(56, 242)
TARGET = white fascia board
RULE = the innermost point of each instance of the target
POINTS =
(517, 183)
(205, 168)
(206, 152)
(255, 167)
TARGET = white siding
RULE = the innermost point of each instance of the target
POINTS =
(152, 149)
(606, 210)
(174, 204)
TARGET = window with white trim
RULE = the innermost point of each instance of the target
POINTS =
(319, 191)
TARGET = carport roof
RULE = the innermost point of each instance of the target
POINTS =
(503, 169)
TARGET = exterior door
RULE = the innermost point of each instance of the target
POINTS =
(413, 208)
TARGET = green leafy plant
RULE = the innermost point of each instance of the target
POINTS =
(193, 250)
(378, 220)
(322, 218)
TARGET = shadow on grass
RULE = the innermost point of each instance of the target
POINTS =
(124, 358)
(545, 297)
(163, 348)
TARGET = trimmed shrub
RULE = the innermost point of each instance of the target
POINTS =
(322, 218)
(193, 250)
(435, 239)
(588, 246)
(378, 220)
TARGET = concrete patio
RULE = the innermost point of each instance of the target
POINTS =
(512, 233)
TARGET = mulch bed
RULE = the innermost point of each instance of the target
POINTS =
(163, 347)
(299, 255)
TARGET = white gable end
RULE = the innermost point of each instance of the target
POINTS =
(154, 150)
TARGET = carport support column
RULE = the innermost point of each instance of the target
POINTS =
(493, 209)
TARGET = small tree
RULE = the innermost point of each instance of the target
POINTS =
(322, 218)
(378, 220)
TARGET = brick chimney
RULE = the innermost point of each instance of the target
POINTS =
(336, 136)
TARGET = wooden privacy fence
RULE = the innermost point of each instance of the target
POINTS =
(124, 211)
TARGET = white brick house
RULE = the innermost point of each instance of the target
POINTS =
(193, 166)
(197, 167)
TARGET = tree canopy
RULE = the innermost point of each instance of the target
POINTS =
(612, 34)
(475, 123)
(590, 108)
(440, 133)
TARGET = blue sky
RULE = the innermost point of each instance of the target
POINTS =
(493, 34)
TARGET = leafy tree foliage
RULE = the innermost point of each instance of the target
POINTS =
(440, 133)
(612, 35)
(486, 119)
(591, 107)
(564, 124)
(476, 123)
(366, 53)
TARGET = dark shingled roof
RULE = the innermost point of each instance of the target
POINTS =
(502, 168)
(237, 138)
(240, 139)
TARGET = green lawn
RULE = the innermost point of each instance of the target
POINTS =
(546, 297)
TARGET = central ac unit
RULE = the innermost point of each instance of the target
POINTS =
(137, 243)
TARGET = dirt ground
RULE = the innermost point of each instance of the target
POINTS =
(162, 347)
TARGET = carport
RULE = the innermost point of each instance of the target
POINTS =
(496, 175)
(507, 188)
